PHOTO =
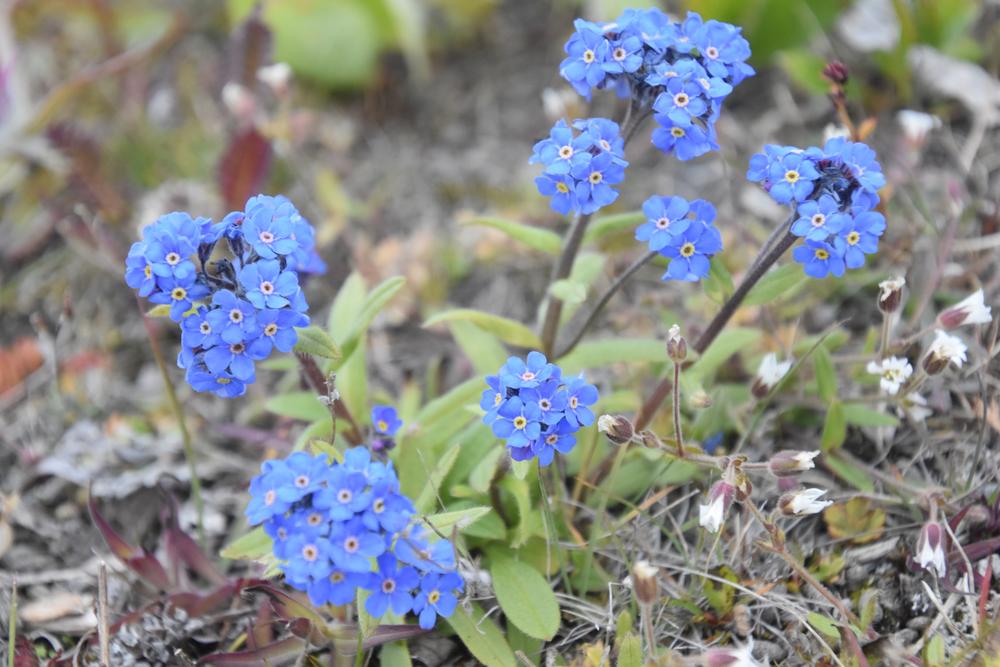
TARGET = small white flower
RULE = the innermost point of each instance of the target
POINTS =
(916, 125)
(789, 462)
(674, 333)
(771, 370)
(930, 548)
(887, 287)
(605, 423)
(710, 516)
(948, 347)
(914, 407)
(805, 501)
(893, 372)
(275, 76)
(732, 657)
(970, 310)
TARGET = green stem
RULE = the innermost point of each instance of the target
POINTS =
(175, 405)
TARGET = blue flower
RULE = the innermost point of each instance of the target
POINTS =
(309, 474)
(385, 419)
(594, 178)
(138, 271)
(412, 547)
(860, 161)
(493, 397)
(665, 218)
(685, 142)
(179, 293)
(232, 318)
(526, 374)
(391, 587)
(171, 242)
(601, 134)
(352, 545)
(344, 494)
(387, 509)
(793, 177)
(724, 50)
(268, 227)
(276, 329)
(308, 558)
(518, 422)
(562, 189)
(819, 219)
(221, 384)
(232, 357)
(586, 52)
(437, 597)
(558, 150)
(690, 252)
(337, 588)
(266, 285)
(551, 399)
(624, 54)
(196, 330)
(859, 238)
(681, 102)
(819, 259)
(581, 396)
(559, 438)
(264, 500)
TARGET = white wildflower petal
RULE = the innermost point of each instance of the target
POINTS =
(710, 516)
(893, 372)
(808, 501)
(946, 346)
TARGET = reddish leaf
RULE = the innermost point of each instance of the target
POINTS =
(262, 632)
(139, 561)
(196, 604)
(957, 519)
(265, 656)
(984, 592)
(182, 547)
(24, 653)
(249, 49)
(244, 167)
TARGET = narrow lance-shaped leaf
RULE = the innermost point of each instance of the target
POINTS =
(138, 560)
(533, 237)
(508, 330)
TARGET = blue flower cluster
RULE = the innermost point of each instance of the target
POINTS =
(236, 310)
(682, 231)
(684, 69)
(535, 409)
(343, 527)
(834, 191)
(581, 166)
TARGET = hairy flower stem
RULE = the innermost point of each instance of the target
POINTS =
(677, 410)
(603, 301)
(564, 265)
(757, 271)
(646, 612)
(883, 348)
(175, 405)
(323, 387)
(777, 546)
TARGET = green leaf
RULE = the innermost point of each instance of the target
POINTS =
(162, 310)
(481, 636)
(255, 545)
(313, 340)
(835, 427)
(861, 415)
(934, 654)
(507, 330)
(719, 282)
(451, 402)
(520, 468)
(568, 291)
(850, 473)
(607, 225)
(776, 283)
(395, 654)
(629, 651)
(428, 497)
(525, 596)
(725, 345)
(826, 378)
(533, 237)
(372, 306)
(482, 348)
(303, 405)
(529, 646)
(460, 519)
(823, 624)
(598, 353)
(366, 622)
(346, 306)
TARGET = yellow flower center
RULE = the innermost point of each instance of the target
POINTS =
(562, 187)
(681, 99)
(497, 399)
(178, 294)
(520, 423)
(596, 177)
(588, 56)
(687, 249)
(270, 497)
(271, 329)
(791, 176)
(853, 238)
(378, 506)
(552, 439)
(222, 381)
(566, 152)
(821, 254)
(573, 402)
(337, 577)
(148, 271)
(310, 552)
(818, 220)
(433, 597)
(676, 132)
(381, 425)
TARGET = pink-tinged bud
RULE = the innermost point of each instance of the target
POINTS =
(789, 463)
(645, 583)
(239, 101)
(769, 374)
(946, 349)
(890, 294)
(836, 72)
(970, 310)
(276, 77)
(676, 345)
(731, 657)
(720, 497)
(803, 501)
(930, 548)
(618, 429)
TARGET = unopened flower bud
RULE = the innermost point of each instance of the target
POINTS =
(700, 400)
(890, 294)
(676, 345)
(836, 72)
(769, 374)
(618, 429)
(731, 657)
(971, 310)
(239, 101)
(946, 349)
(803, 501)
(276, 77)
(930, 548)
(645, 583)
(720, 497)
(788, 462)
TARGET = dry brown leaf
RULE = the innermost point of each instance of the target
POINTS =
(58, 604)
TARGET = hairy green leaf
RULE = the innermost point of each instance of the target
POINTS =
(525, 596)
(481, 636)
(533, 237)
(315, 341)
(508, 330)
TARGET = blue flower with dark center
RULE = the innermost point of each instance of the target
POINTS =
(391, 586)
(690, 252)
(518, 422)
(819, 218)
(385, 419)
(267, 286)
(819, 259)
(859, 238)
(437, 597)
